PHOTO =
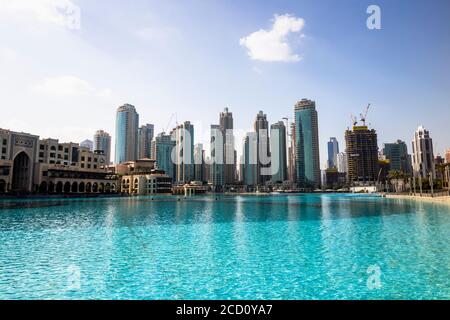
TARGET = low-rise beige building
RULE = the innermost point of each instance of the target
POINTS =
(61, 179)
(30, 165)
(17, 158)
(140, 178)
(155, 182)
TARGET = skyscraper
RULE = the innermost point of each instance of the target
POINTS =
(423, 155)
(199, 162)
(217, 156)
(291, 156)
(127, 122)
(249, 162)
(184, 137)
(307, 144)
(342, 165)
(397, 154)
(362, 155)
(162, 146)
(333, 150)
(226, 126)
(146, 134)
(261, 127)
(102, 143)
(278, 152)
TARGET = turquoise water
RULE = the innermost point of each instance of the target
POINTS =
(235, 247)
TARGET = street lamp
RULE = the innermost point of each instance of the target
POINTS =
(420, 184)
(431, 183)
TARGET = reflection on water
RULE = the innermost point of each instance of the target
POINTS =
(249, 247)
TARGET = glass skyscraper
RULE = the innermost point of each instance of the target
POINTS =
(261, 127)
(217, 157)
(102, 143)
(249, 160)
(307, 144)
(127, 122)
(226, 126)
(162, 148)
(278, 152)
(183, 134)
(397, 153)
(333, 151)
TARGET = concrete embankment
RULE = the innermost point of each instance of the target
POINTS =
(419, 198)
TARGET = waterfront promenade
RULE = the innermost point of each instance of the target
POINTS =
(438, 199)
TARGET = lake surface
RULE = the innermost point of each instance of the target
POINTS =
(232, 247)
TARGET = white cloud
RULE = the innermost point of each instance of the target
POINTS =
(63, 13)
(69, 86)
(272, 45)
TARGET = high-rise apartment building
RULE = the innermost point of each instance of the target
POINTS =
(102, 143)
(423, 155)
(397, 154)
(278, 152)
(217, 158)
(184, 137)
(127, 122)
(261, 127)
(342, 166)
(162, 148)
(307, 144)
(249, 160)
(199, 162)
(292, 174)
(362, 155)
(145, 134)
(333, 151)
(229, 161)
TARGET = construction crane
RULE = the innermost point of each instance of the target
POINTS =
(354, 120)
(170, 121)
(364, 116)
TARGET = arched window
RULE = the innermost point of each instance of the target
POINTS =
(51, 187)
(67, 187)
(21, 172)
(59, 187)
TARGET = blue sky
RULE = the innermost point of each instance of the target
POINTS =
(187, 58)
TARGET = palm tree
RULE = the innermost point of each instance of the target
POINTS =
(394, 176)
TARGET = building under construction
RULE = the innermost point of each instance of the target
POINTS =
(362, 152)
